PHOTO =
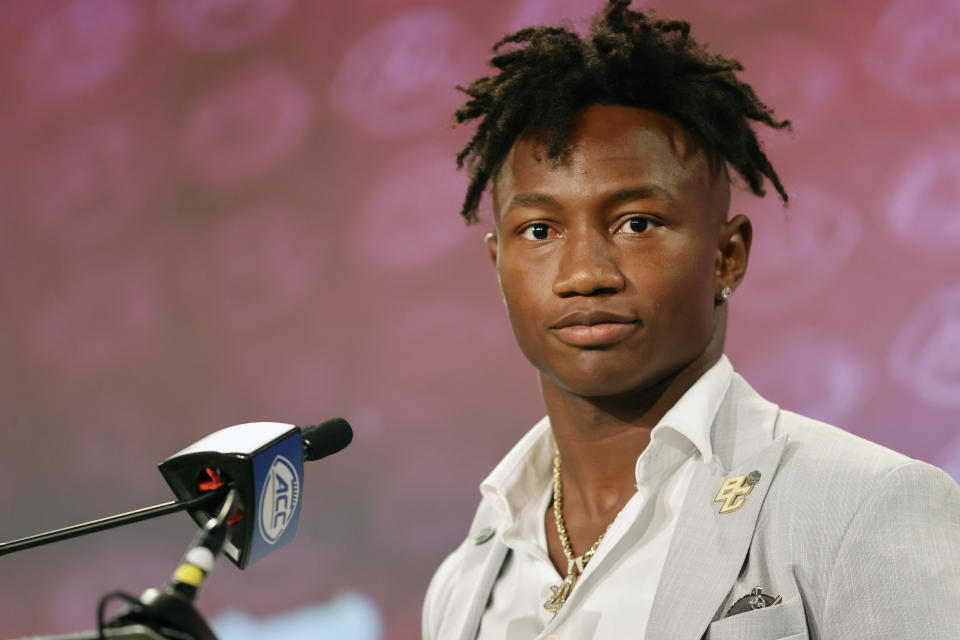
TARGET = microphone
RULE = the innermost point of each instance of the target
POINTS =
(263, 462)
(326, 438)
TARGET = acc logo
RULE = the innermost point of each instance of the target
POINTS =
(278, 499)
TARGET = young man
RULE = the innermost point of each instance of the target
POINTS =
(662, 497)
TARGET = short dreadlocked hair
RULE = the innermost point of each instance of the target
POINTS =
(547, 74)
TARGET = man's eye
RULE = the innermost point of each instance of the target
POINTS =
(537, 231)
(636, 224)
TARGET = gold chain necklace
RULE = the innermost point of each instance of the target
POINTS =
(575, 566)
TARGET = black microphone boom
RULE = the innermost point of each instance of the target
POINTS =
(110, 522)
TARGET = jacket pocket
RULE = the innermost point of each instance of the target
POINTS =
(784, 621)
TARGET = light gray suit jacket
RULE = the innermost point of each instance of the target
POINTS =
(860, 541)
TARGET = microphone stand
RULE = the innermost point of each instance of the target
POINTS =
(109, 522)
(159, 614)
(170, 611)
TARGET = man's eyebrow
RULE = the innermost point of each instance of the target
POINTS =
(643, 192)
(532, 200)
(536, 200)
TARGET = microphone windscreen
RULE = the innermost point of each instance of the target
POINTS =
(326, 438)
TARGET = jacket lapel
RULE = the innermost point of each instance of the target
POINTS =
(479, 585)
(467, 596)
(708, 547)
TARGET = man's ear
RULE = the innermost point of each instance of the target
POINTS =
(733, 251)
(493, 246)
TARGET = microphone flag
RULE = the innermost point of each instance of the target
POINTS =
(263, 461)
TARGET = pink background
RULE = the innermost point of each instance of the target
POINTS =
(214, 212)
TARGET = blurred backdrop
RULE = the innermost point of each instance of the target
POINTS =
(222, 211)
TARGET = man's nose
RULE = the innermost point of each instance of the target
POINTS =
(588, 266)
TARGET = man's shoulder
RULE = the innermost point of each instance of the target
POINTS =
(841, 519)
(818, 454)
(833, 450)
(818, 458)
(829, 477)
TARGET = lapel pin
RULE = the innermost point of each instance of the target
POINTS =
(734, 490)
(484, 535)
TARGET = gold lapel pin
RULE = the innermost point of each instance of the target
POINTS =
(734, 490)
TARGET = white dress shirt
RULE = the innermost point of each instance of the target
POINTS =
(613, 597)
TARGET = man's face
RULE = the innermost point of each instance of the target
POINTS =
(610, 263)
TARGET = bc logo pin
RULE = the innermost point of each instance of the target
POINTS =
(734, 491)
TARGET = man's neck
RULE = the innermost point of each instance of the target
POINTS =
(600, 439)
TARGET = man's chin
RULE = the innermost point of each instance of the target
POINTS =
(600, 384)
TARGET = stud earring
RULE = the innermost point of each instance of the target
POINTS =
(725, 293)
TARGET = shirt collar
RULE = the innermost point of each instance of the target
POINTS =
(693, 414)
(521, 473)
(519, 477)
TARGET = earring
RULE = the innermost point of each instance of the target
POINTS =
(725, 293)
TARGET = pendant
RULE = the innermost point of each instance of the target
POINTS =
(560, 593)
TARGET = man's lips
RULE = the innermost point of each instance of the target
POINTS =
(594, 328)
